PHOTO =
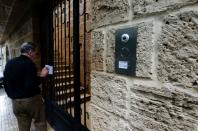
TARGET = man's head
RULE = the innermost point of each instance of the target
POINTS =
(28, 49)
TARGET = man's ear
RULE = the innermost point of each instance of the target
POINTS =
(29, 53)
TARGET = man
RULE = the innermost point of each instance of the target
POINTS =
(21, 83)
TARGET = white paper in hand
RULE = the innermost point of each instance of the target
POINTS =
(50, 69)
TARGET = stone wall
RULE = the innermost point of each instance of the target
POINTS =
(27, 31)
(163, 96)
(11, 47)
(23, 33)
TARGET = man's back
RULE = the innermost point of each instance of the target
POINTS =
(20, 78)
(21, 85)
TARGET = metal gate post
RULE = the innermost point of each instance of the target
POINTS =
(76, 60)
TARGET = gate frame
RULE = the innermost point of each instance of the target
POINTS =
(56, 117)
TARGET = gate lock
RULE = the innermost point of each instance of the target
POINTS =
(125, 51)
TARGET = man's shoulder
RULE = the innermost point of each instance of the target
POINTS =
(17, 61)
(13, 60)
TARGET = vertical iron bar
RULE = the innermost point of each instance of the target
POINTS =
(58, 74)
(85, 83)
(61, 46)
(55, 53)
(69, 35)
(65, 23)
(50, 45)
(53, 18)
(76, 60)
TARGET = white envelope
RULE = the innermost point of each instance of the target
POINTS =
(50, 69)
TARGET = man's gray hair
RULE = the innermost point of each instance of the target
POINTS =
(27, 46)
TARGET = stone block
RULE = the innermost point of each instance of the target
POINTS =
(110, 52)
(110, 93)
(104, 121)
(100, 120)
(145, 48)
(106, 12)
(142, 123)
(178, 49)
(163, 108)
(98, 50)
(143, 7)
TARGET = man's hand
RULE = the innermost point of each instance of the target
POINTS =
(44, 72)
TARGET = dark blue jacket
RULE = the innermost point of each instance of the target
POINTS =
(20, 78)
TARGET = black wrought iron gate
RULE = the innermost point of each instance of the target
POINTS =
(67, 91)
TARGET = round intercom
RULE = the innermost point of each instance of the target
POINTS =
(125, 38)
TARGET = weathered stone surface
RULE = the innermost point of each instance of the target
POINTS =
(142, 7)
(99, 119)
(178, 49)
(106, 12)
(109, 92)
(5, 9)
(98, 50)
(142, 123)
(107, 121)
(20, 35)
(22, 31)
(145, 50)
(110, 54)
(163, 108)
(149, 107)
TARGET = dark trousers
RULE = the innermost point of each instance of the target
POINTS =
(29, 109)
